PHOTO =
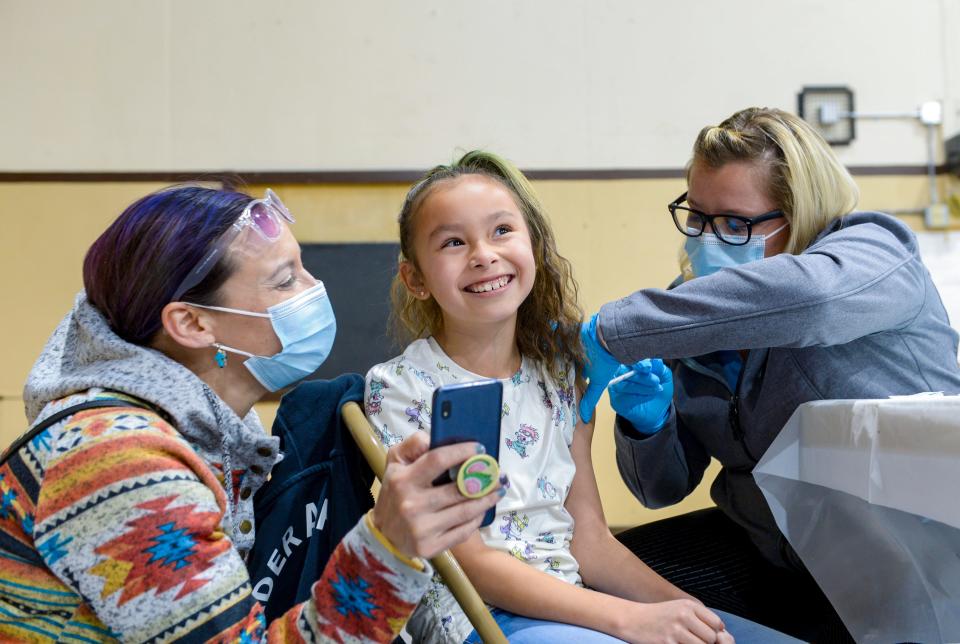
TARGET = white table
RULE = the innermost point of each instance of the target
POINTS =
(868, 494)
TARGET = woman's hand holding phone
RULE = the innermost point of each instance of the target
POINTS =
(467, 412)
(420, 519)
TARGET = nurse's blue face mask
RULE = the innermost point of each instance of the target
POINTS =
(304, 323)
(708, 253)
(731, 242)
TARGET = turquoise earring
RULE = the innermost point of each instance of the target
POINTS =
(220, 356)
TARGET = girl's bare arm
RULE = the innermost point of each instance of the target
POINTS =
(605, 563)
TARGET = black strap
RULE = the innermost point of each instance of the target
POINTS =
(63, 413)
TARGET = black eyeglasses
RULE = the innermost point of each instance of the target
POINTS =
(732, 229)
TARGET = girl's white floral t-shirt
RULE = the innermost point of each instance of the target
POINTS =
(536, 430)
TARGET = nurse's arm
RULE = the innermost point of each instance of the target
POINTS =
(661, 469)
(855, 281)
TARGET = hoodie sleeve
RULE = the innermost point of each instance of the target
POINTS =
(663, 468)
(130, 518)
(863, 278)
(366, 594)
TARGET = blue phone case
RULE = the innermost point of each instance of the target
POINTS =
(468, 411)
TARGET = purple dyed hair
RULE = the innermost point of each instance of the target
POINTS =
(132, 269)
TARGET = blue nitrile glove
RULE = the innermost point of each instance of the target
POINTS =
(599, 370)
(645, 397)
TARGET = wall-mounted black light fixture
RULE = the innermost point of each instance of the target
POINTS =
(829, 109)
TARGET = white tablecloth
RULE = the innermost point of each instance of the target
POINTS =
(868, 494)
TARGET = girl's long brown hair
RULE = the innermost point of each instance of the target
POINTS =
(548, 321)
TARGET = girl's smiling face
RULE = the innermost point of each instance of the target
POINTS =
(473, 252)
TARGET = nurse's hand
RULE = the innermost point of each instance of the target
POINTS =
(645, 397)
(600, 369)
(421, 520)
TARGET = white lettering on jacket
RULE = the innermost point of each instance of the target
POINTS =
(314, 521)
(261, 592)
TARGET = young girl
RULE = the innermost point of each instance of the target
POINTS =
(482, 287)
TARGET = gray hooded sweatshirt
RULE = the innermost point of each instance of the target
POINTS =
(84, 353)
(853, 316)
(91, 563)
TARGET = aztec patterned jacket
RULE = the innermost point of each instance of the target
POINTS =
(116, 524)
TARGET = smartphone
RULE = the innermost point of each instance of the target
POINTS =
(468, 411)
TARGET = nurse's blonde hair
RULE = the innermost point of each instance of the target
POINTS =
(805, 179)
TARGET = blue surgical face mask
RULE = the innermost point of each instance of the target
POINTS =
(306, 327)
(708, 253)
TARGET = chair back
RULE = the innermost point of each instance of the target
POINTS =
(445, 563)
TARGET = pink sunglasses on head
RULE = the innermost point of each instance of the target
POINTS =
(263, 216)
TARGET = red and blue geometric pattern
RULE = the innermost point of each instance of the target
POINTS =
(160, 552)
(365, 602)
(53, 548)
(163, 546)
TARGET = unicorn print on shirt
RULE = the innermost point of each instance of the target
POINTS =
(523, 554)
(524, 438)
(375, 401)
(546, 488)
(519, 378)
(416, 411)
(388, 438)
(513, 524)
(424, 377)
(545, 395)
(565, 390)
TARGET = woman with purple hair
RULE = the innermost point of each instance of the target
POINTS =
(130, 515)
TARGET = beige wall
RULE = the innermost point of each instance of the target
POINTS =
(209, 85)
(617, 234)
(300, 84)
